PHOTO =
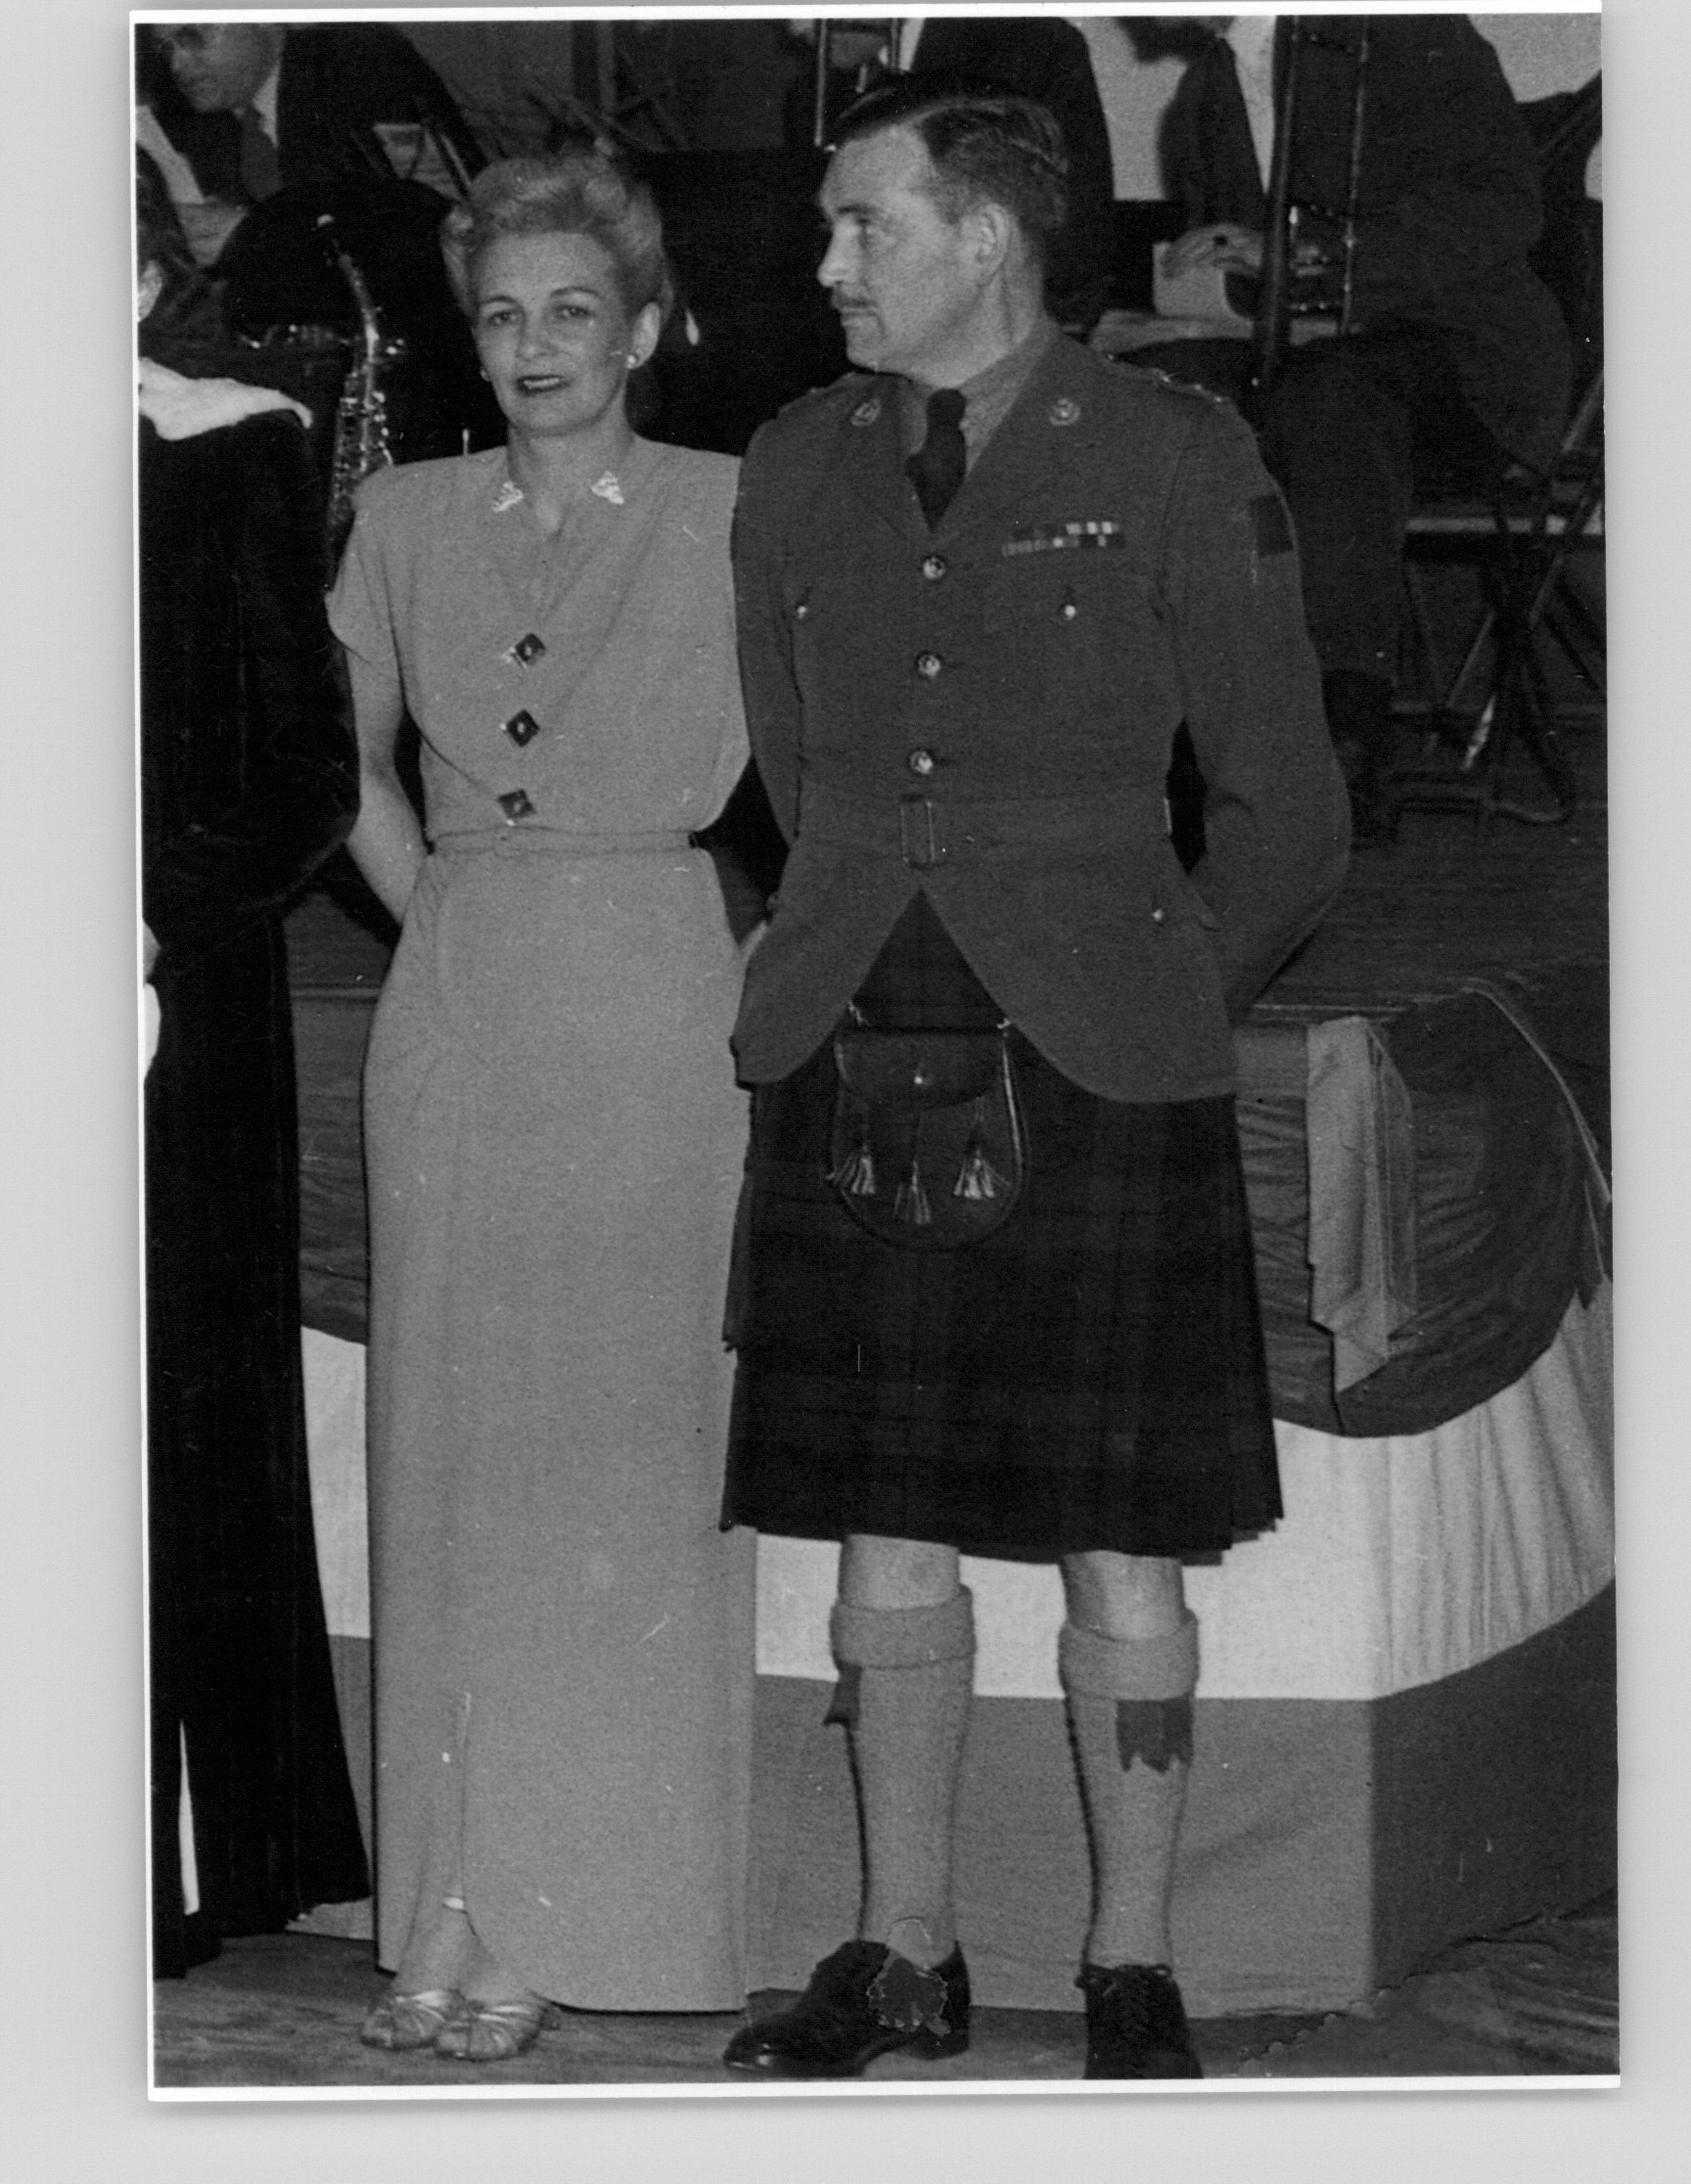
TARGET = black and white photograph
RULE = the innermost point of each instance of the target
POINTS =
(875, 1105)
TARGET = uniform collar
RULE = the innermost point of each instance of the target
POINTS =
(1024, 452)
(989, 395)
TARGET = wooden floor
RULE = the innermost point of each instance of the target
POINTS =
(1447, 904)
(284, 2010)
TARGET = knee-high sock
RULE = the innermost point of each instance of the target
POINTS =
(1130, 1711)
(907, 1677)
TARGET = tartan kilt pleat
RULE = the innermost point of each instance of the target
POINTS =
(1089, 1377)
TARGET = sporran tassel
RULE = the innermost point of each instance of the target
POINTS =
(911, 1203)
(977, 1178)
(856, 1173)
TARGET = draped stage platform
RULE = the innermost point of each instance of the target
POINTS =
(1406, 1711)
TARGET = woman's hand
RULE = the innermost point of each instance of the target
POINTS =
(387, 839)
(1229, 248)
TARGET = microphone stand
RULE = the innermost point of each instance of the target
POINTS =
(819, 94)
(1274, 296)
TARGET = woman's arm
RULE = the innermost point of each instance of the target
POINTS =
(386, 841)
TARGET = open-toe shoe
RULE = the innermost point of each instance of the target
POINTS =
(494, 2031)
(410, 2020)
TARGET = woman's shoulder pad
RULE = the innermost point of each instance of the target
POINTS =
(402, 487)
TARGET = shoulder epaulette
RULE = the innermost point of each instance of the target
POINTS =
(821, 404)
(1154, 375)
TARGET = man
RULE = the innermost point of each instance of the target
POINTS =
(996, 1291)
(255, 108)
(1454, 359)
(261, 130)
(1037, 58)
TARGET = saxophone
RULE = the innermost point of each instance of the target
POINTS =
(363, 440)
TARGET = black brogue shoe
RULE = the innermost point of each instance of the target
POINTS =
(1136, 2023)
(864, 2001)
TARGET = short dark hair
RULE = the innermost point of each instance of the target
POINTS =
(580, 190)
(988, 146)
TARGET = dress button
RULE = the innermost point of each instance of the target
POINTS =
(933, 568)
(922, 763)
(929, 664)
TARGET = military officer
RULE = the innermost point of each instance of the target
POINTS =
(996, 1292)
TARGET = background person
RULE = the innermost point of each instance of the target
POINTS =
(264, 129)
(980, 582)
(563, 1635)
(256, 108)
(1458, 361)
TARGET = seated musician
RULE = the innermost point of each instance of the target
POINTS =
(262, 128)
(1414, 192)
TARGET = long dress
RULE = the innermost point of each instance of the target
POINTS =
(248, 778)
(554, 1141)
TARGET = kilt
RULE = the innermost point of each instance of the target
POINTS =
(1090, 1375)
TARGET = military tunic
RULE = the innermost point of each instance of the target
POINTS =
(965, 734)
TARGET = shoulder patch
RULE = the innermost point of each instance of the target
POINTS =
(1270, 526)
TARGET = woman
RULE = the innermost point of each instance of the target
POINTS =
(249, 779)
(563, 1634)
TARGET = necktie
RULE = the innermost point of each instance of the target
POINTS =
(260, 170)
(936, 468)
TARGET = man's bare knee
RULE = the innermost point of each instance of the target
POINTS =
(876, 1572)
(1124, 1596)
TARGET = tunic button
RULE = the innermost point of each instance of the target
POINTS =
(933, 568)
(929, 664)
(921, 763)
(1157, 916)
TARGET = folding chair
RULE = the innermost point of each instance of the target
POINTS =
(1524, 532)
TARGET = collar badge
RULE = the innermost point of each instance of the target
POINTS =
(867, 412)
(1064, 411)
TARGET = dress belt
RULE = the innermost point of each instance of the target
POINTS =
(925, 831)
(557, 842)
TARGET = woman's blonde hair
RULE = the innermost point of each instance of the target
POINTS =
(582, 190)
